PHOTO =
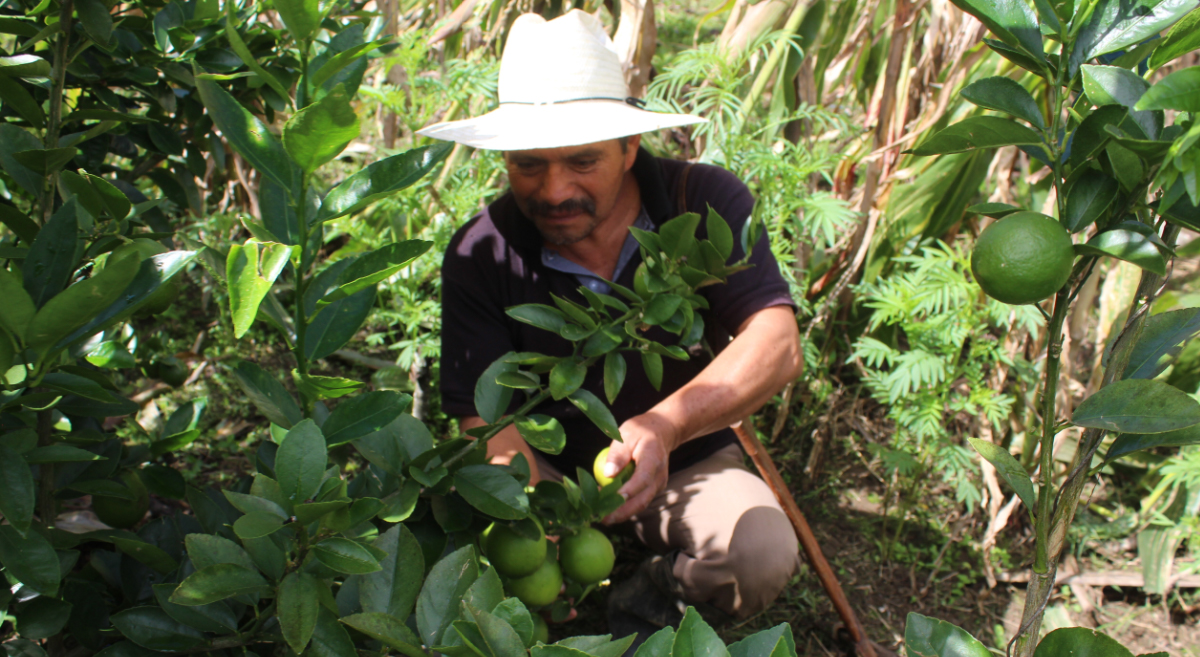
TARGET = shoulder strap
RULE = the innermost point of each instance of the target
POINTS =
(681, 189)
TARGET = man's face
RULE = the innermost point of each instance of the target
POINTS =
(569, 191)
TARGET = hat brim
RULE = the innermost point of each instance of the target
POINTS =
(513, 127)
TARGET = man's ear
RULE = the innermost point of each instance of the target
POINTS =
(631, 150)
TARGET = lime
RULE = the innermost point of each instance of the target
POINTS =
(598, 469)
(541, 631)
(121, 514)
(512, 554)
(542, 587)
(587, 557)
(1023, 258)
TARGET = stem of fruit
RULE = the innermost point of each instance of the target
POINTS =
(496, 428)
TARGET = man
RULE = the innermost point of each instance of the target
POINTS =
(579, 180)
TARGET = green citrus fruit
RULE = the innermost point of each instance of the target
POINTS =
(598, 469)
(587, 557)
(121, 514)
(541, 631)
(542, 587)
(1023, 258)
(514, 555)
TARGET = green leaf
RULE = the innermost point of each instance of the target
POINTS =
(249, 280)
(491, 398)
(1005, 95)
(696, 638)
(597, 412)
(335, 64)
(1117, 24)
(22, 102)
(249, 136)
(1128, 443)
(1138, 406)
(75, 307)
(719, 233)
(346, 556)
(1080, 642)
(543, 433)
(1183, 38)
(661, 308)
(375, 267)
(97, 22)
(677, 235)
(614, 375)
(300, 463)
(381, 179)
(1088, 199)
(339, 321)
(448, 580)
(652, 364)
(239, 47)
(1129, 245)
(17, 493)
(1178, 91)
(516, 614)
(320, 132)
(388, 630)
(658, 645)
(1161, 336)
(59, 454)
(993, 210)
(45, 161)
(774, 642)
(1012, 21)
(217, 617)
(930, 637)
(362, 415)
(147, 553)
(41, 618)
(1009, 468)
(268, 395)
(52, 256)
(394, 589)
(297, 605)
(206, 550)
(499, 637)
(566, 377)
(257, 525)
(1109, 85)
(30, 559)
(603, 645)
(18, 305)
(538, 315)
(21, 225)
(24, 66)
(492, 491)
(153, 628)
(978, 132)
(301, 17)
(14, 140)
(217, 582)
(152, 274)
(330, 638)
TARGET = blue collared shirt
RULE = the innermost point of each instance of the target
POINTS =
(555, 260)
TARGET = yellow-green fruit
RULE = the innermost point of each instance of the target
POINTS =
(165, 295)
(1023, 258)
(119, 513)
(587, 557)
(541, 631)
(598, 469)
(542, 587)
(514, 555)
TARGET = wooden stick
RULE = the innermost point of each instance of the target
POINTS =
(770, 474)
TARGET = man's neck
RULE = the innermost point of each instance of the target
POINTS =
(600, 251)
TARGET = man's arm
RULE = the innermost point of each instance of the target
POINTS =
(763, 358)
(504, 446)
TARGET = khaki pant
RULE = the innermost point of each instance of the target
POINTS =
(737, 549)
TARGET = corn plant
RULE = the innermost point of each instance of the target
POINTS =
(1125, 182)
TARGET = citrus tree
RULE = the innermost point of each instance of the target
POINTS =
(1123, 160)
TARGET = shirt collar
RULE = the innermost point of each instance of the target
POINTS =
(552, 259)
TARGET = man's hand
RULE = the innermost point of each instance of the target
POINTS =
(648, 442)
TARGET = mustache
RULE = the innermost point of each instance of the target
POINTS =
(568, 207)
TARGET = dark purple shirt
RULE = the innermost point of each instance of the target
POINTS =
(494, 262)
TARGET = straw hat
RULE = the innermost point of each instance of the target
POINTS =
(561, 84)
